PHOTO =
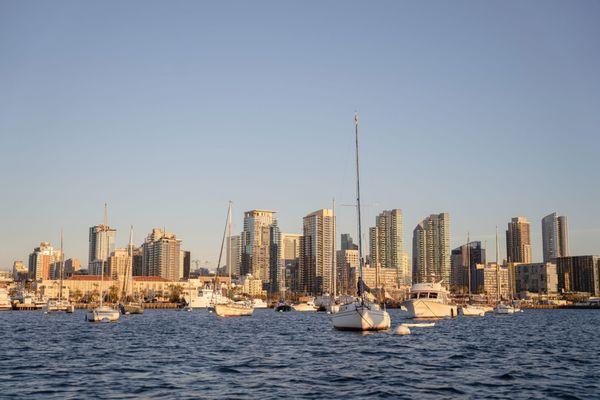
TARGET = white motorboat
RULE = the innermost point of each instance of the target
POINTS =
(429, 300)
(360, 314)
(502, 308)
(470, 310)
(205, 298)
(305, 306)
(60, 305)
(102, 314)
(259, 303)
(5, 303)
(232, 309)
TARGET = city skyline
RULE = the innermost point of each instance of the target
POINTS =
(187, 111)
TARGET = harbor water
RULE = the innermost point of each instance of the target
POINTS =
(176, 354)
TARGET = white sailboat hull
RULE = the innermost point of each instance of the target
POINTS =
(472, 311)
(504, 309)
(422, 308)
(359, 317)
(102, 314)
(304, 307)
(233, 310)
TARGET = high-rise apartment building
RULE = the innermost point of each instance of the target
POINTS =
(138, 261)
(579, 274)
(236, 254)
(101, 243)
(317, 252)
(290, 259)
(540, 278)
(276, 266)
(20, 272)
(555, 237)
(518, 241)
(72, 266)
(431, 249)
(120, 265)
(161, 252)
(386, 243)
(347, 267)
(43, 260)
(462, 260)
(256, 244)
(187, 264)
(348, 242)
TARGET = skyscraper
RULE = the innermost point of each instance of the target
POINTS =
(101, 242)
(555, 237)
(431, 249)
(518, 241)
(41, 261)
(236, 254)
(317, 252)
(256, 244)
(462, 259)
(348, 242)
(386, 243)
(290, 259)
(161, 252)
(276, 267)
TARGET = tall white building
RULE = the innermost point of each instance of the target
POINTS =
(161, 253)
(386, 242)
(431, 249)
(555, 237)
(316, 260)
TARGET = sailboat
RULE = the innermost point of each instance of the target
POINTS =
(231, 308)
(60, 304)
(360, 314)
(102, 313)
(501, 308)
(129, 307)
(470, 310)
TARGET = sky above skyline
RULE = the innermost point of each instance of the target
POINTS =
(167, 110)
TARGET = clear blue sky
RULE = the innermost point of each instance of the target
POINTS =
(166, 110)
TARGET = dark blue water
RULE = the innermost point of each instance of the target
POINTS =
(173, 354)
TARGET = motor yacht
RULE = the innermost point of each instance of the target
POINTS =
(429, 300)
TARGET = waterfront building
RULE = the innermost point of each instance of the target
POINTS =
(137, 261)
(431, 249)
(187, 264)
(348, 242)
(236, 254)
(579, 274)
(20, 272)
(252, 286)
(42, 261)
(101, 245)
(72, 266)
(462, 259)
(120, 265)
(317, 252)
(374, 277)
(386, 243)
(256, 244)
(555, 237)
(347, 265)
(161, 252)
(276, 266)
(541, 278)
(518, 241)
(490, 278)
(290, 259)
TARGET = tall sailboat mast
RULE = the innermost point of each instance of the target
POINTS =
(497, 269)
(469, 265)
(62, 266)
(358, 212)
(229, 212)
(333, 266)
(105, 232)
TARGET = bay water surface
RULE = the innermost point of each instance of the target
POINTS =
(536, 354)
